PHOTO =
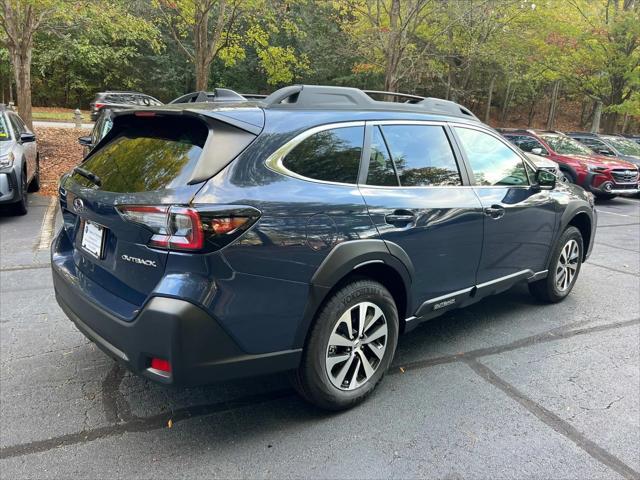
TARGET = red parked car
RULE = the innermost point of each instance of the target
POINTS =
(605, 177)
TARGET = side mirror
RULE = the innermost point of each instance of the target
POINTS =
(545, 180)
(539, 151)
(27, 137)
(606, 152)
(85, 141)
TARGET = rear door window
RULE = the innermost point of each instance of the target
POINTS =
(147, 154)
(330, 156)
(422, 155)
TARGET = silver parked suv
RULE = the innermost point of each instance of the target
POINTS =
(19, 161)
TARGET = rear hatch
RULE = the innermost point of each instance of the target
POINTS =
(115, 204)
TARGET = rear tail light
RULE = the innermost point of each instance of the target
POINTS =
(98, 105)
(161, 365)
(191, 229)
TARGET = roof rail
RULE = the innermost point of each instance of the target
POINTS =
(410, 98)
(318, 96)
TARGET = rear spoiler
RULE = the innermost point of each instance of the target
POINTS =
(228, 137)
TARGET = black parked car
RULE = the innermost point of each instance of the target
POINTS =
(121, 100)
(303, 233)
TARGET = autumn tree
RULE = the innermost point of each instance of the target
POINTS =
(23, 20)
(207, 30)
(385, 34)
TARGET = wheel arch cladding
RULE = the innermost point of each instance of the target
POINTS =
(582, 222)
(357, 259)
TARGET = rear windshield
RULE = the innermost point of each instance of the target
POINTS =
(147, 154)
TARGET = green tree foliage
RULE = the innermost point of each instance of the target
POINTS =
(494, 56)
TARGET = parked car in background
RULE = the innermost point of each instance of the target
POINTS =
(216, 95)
(103, 124)
(19, 162)
(610, 145)
(121, 100)
(633, 137)
(304, 233)
(605, 177)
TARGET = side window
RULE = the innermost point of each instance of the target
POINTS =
(527, 144)
(381, 170)
(422, 155)
(332, 155)
(492, 162)
(17, 127)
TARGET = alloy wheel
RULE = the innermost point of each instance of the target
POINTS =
(356, 346)
(567, 266)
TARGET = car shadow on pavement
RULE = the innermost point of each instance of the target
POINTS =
(128, 397)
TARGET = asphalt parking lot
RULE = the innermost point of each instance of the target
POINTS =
(507, 388)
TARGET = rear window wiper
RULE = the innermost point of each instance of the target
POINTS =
(88, 175)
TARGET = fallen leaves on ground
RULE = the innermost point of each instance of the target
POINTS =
(59, 152)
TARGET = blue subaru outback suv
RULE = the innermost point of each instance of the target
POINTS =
(303, 232)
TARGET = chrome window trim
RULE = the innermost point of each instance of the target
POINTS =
(274, 161)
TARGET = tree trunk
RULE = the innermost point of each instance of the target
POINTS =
(489, 98)
(21, 61)
(595, 125)
(625, 123)
(551, 119)
(393, 54)
(505, 104)
(532, 112)
(201, 50)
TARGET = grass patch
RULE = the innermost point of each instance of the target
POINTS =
(58, 114)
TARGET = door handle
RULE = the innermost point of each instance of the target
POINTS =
(400, 218)
(494, 211)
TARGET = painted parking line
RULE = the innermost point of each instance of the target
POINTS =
(613, 213)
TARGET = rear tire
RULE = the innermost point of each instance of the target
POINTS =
(350, 346)
(564, 268)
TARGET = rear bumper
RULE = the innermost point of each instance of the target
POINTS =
(199, 350)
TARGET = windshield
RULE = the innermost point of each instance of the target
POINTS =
(4, 130)
(148, 154)
(565, 145)
(624, 146)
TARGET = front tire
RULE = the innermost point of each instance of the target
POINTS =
(21, 206)
(564, 268)
(350, 346)
(34, 186)
(604, 196)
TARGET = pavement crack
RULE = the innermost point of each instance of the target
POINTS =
(554, 421)
(617, 270)
(555, 334)
(138, 424)
(117, 411)
(115, 405)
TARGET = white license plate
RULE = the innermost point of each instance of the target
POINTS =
(93, 238)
